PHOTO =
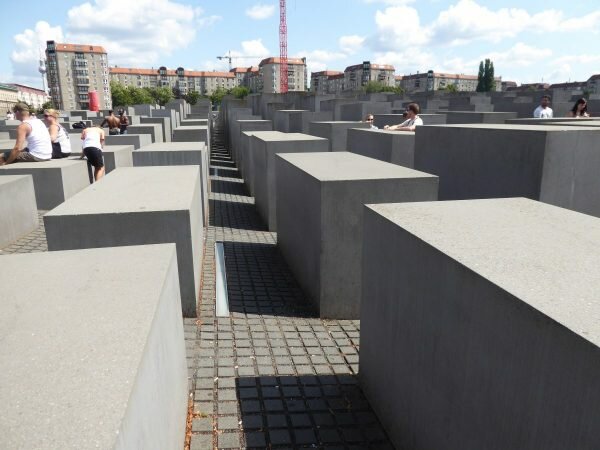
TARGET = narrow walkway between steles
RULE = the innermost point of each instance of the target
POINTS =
(272, 375)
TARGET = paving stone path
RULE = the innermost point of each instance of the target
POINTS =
(272, 375)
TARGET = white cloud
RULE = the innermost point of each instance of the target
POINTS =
(408, 61)
(390, 2)
(351, 44)
(318, 60)
(208, 21)
(250, 53)
(26, 54)
(398, 27)
(260, 11)
(520, 55)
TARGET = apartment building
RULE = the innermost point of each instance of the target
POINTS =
(246, 76)
(269, 70)
(73, 70)
(433, 81)
(31, 96)
(322, 82)
(357, 76)
(183, 80)
(8, 98)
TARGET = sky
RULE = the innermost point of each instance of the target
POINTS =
(534, 41)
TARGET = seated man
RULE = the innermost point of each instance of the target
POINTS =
(410, 124)
(544, 111)
(34, 132)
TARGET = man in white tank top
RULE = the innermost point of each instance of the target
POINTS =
(33, 132)
(93, 140)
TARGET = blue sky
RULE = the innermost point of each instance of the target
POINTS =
(550, 40)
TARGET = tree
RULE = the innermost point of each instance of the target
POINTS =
(120, 95)
(139, 96)
(377, 86)
(192, 97)
(490, 83)
(48, 105)
(217, 95)
(239, 92)
(163, 95)
(449, 88)
(480, 78)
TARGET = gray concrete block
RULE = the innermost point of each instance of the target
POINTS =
(153, 129)
(297, 121)
(96, 359)
(382, 120)
(116, 156)
(18, 210)
(137, 140)
(190, 134)
(138, 206)
(54, 181)
(165, 124)
(554, 164)
(169, 114)
(248, 125)
(358, 111)
(178, 154)
(396, 147)
(531, 121)
(265, 145)
(453, 117)
(336, 132)
(479, 325)
(247, 163)
(319, 219)
(194, 122)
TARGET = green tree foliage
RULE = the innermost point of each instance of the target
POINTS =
(140, 96)
(485, 77)
(449, 88)
(161, 95)
(239, 92)
(192, 97)
(217, 95)
(132, 95)
(120, 95)
(377, 86)
(48, 105)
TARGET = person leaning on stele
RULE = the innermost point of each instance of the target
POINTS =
(412, 121)
(34, 134)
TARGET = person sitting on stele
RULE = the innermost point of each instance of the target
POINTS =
(410, 124)
(33, 132)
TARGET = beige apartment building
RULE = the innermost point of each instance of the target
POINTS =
(73, 70)
(268, 74)
(31, 96)
(8, 99)
(355, 77)
(185, 81)
(433, 81)
(323, 82)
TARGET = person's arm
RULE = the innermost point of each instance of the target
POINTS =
(53, 130)
(19, 143)
(101, 138)
(104, 122)
(83, 133)
(537, 112)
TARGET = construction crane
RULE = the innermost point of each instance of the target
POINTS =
(229, 58)
(283, 59)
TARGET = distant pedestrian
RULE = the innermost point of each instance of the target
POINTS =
(10, 115)
(123, 121)
(61, 142)
(579, 109)
(544, 111)
(113, 122)
(33, 142)
(369, 118)
(93, 140)
(410, 124)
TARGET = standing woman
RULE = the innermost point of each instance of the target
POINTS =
(61, 143)
(93, 140)
(579, 109)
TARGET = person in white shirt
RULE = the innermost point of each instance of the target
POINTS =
(369, 118)
(413, 120)
(93, 140)
(33, 132)
(543, 111)
(61, 142)
(10, 115)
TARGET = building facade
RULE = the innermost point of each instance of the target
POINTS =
(74, 70)
(269, 70)
(323, 82)
(205, 83)
(31, 96)
(8, 98)
(433, 81)
(357, 76)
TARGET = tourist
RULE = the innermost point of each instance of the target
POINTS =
(123, 121)
(113, 123)
(93, 140)
(579, 109)
(61, 142)
(33, 132)
(412, 121)
(543, 111)
(10, 115)
(369, 119)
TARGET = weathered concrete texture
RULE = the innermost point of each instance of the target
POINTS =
(137, 206)
(396, 147)
(178, 154)
(169, 114)
(165, 124)
(479, 325)
(248, 125)
(382, 120)
(319, 219)
(554, 164)
(194, 122)
(116, 156)
(334, 105)
(336, 132)
(247, 162)
(297, 121)
(453, 117)
(358, 111)
(264, 147)
(137, 140)
(54, 181)
(95, 360)
(18, 210)
(190, 134)
(532, 121)
(577, 123)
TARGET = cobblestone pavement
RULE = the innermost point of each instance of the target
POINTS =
(272, 375)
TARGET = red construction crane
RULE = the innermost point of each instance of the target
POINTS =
(283, 59)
